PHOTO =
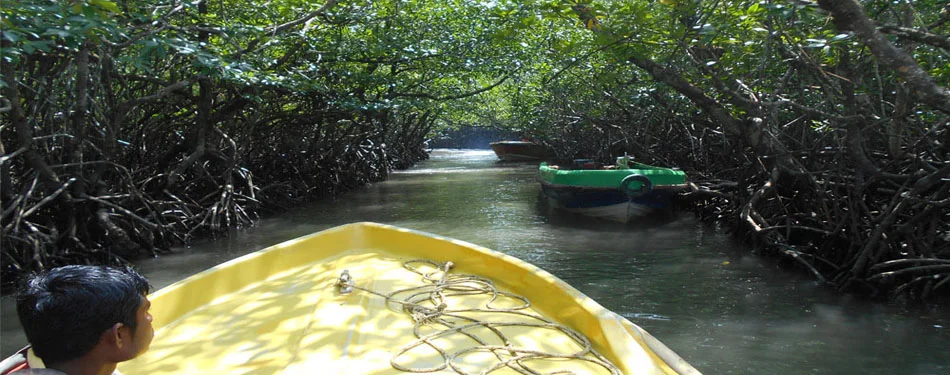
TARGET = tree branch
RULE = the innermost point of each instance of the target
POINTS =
(917, 36)
(849, 15)
(453, 97)
(284, 27)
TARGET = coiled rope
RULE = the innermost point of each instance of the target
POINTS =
(428, 305)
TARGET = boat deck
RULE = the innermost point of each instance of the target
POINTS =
(298, 322)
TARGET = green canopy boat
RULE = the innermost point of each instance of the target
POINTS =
(617, 192)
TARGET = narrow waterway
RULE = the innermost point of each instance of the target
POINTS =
(723, 310)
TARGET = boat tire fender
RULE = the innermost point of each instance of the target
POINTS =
(646, 186)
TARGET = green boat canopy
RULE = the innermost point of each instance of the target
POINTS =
(610, 178)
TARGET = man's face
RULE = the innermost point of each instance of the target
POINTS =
(143, 328)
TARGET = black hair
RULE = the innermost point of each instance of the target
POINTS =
(65, 311)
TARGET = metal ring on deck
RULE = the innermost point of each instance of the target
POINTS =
(646, 186)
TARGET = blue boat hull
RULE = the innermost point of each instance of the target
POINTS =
(608, 204)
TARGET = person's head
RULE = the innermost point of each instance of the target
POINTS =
(68, 311)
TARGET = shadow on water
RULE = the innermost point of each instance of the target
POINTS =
(722, 309)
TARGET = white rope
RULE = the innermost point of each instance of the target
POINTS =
(428, 305)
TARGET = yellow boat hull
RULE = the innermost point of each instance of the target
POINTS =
(281, 311)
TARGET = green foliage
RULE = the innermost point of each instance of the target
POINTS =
(606, 75)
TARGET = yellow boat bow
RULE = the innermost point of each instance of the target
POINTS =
(369, 298)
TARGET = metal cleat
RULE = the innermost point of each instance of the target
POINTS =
(345, 282)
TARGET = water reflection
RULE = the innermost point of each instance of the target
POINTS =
(725, 311)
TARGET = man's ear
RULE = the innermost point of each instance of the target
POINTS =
(113, 337)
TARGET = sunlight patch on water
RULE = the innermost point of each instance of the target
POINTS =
(453, 170)
(450, 153)
(648, 316)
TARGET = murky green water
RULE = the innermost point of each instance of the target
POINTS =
(724, 311)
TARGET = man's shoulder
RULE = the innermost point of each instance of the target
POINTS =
(46, 371)
(38, 371)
